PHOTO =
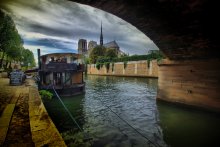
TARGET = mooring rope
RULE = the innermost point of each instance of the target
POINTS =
(86, 135)
(155, 144)
(71, 116)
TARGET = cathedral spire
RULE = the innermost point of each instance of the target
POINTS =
(101, 36)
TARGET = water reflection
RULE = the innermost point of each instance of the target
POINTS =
(133, 99)
(184, 127)
(61, 117)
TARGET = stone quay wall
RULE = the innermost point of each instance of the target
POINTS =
(132, 68)
(190, 82)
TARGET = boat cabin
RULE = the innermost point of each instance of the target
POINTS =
(64, 71)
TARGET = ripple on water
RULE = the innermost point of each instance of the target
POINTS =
(132, 99)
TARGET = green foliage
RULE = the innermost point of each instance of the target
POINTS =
(100, 54)
(11, 37)
(96, 52)
(87, 60)
(107, 65)
(46, 94)
(28, 58)
(125, 64)
(98, 66)
(11, 44)
(111, 53)
(103, 60)
(151, 56)
(139, 57)
(113, 64)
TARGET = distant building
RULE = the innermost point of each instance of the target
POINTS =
(114, 45)
(101, 36)
(153, 51)
(82, 46)
(110, 45)
(91, 45)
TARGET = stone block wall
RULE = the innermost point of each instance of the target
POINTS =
(133, 68)
(191, 82)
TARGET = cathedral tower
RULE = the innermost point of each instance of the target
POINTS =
(82, 46)
(101, 36)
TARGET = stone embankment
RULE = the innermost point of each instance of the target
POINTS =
(24, 120)
(190, 82)
(131, 68)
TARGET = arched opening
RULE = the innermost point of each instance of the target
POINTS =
(186, 33)
(191, 75)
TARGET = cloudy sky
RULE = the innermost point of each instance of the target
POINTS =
(57, 25)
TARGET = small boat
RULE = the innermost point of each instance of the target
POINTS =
(62, 72)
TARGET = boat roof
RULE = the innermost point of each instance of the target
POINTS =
(61, 54)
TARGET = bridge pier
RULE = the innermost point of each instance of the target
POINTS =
(190, 82)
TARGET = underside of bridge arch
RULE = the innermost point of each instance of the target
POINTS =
(186, 32)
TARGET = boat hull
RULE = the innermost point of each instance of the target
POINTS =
(66, 91)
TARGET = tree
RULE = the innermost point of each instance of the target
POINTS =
(97, 52)
(10, 40)
(28, 58)
(111, 53)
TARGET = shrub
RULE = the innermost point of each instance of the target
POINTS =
(46, 94)
(107, 65)
(113, 66)
(103, 60)
(125, 64)
(98, 66)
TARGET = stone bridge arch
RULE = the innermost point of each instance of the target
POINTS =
(186, 32)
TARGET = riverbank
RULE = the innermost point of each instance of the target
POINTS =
(24, 120)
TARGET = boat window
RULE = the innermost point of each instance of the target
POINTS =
(51, 59)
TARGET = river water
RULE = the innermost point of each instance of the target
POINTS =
(122, 111)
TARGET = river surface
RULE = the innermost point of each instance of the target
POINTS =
(123, 112)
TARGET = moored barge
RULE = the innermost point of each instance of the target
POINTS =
(61, 71)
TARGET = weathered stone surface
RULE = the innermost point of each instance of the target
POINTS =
(133, 68)
(190, 82)
(8, 110)
(3, 134)
(43, 131)
(24, 121)
(4, 121)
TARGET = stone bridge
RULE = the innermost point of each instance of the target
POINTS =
(186, 32)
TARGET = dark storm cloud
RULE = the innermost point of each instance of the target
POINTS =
(50, 31)
(63, 23)
(52, 43)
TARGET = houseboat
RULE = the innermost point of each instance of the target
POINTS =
(61, 71)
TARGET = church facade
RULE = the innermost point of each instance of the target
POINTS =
(82, 46)
(92, 44)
